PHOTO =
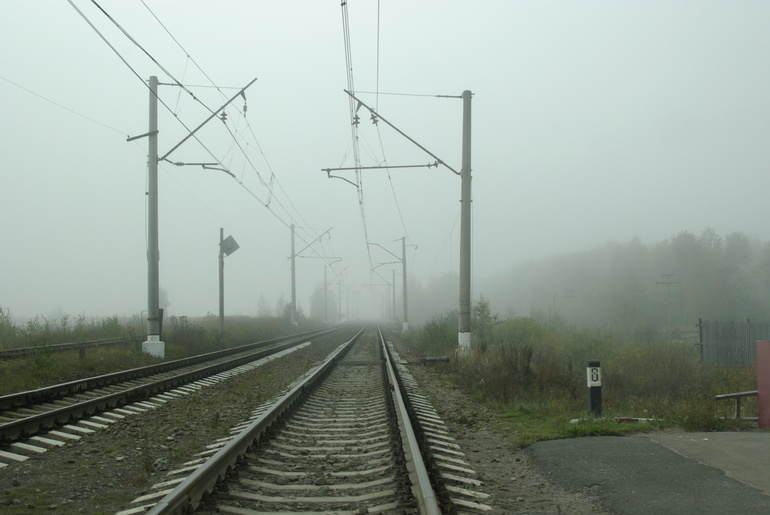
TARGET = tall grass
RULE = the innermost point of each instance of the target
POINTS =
(183, 336)
(41, 330)
(530, 366)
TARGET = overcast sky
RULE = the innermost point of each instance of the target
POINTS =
(593, 121)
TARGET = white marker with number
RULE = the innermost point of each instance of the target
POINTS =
(594, 376)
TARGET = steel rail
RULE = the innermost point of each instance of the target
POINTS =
(22, 352)
(32, 424)
(422, 488)
(203, 481)
(49, 393)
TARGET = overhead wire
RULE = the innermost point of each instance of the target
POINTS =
(273, 176)
(120, 56)
(63, 107)
(172, 111)
(135, 42)
(354, 121)
(379, 133)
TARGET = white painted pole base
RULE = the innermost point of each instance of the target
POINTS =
(464, 340)
(154, 347)
(405, 327)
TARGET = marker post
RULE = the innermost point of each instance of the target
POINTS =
(594, 377)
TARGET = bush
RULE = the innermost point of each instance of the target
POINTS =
(536, 363)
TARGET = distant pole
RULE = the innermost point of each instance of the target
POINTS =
(293, 281)
(464, 326)
(403, 264)
(221, 282)
(394, 297)
(153, 254)
(326, 298)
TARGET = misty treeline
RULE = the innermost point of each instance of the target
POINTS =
(627, 290)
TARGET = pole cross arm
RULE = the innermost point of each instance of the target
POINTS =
(213, 115)
(132, 138)
(429, 165)
(400, 260)
(361, 104)
(205, 166)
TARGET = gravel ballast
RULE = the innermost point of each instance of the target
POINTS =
(103, 472)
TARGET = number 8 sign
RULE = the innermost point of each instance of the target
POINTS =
(594, 375)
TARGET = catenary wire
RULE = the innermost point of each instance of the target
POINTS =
(273, 176)
(63, 107)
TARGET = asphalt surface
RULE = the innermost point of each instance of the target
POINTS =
(662, 473)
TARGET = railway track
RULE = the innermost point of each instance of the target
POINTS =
(82, 347)
(33, 421)
(353, 436)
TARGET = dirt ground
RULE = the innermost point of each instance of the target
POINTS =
(514, 486)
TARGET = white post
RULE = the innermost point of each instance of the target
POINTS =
(153, 345)
(293, 281)
(221, 283)
(464, 325)
(403, 268)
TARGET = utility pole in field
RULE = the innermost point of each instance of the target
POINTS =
(226, 247)
(154, 345)
(464, 326)
(464, 319)
(295, 255)
(293, 281)
(403, 267)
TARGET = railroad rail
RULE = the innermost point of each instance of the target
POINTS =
(342, 440)
(25, 414)
(23, 352)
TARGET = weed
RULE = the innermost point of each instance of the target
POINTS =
(534, 374)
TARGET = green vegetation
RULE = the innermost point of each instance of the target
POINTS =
(534, 374)
(183, 336)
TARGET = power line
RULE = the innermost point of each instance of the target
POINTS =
(63, 107)
(137, 74)
(273, 177)
(179, 84)
(407, 94)
(354, 122)
(135, 42)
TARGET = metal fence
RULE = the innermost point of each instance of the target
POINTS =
(731, 344)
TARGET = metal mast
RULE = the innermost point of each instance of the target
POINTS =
(464, 329)
(403, 264)
(293, 281)
(153, 345)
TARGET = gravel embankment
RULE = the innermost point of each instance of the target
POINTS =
(104, 472)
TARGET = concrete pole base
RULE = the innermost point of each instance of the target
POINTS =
(154, 347)
(464, 340)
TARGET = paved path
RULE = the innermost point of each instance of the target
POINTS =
(661, 473)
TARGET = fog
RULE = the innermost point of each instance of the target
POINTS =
(593, 122)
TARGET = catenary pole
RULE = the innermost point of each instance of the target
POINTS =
(464, 323)
(154, 343)
(326, 297)
(394, 298)
(293, 281)
(221, 282)
(403, 266)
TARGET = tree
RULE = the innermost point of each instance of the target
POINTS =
(263, 309)
(482, 322)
